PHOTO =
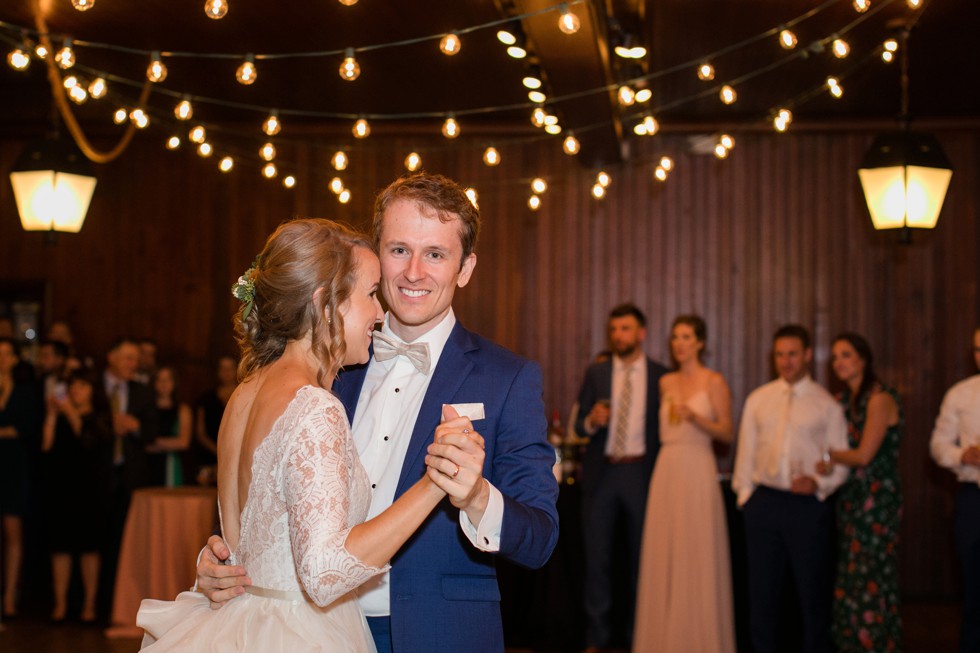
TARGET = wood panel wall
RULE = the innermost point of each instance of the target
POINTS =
(776, 233)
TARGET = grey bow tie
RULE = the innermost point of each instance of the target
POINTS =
(386, 348)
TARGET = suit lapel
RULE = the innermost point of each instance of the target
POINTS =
(348, 385)
(453, 368)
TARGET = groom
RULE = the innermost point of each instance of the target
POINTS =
(441, 593)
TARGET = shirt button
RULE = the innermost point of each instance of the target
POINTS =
(486, 540)
(386, 438)
(374, 485)
(398, 390)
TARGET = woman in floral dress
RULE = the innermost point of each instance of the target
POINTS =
(869, 505)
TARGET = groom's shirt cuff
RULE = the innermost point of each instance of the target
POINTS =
(486, 536)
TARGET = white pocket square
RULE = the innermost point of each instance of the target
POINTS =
(473, 411)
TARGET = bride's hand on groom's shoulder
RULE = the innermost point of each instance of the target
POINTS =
(216, 580)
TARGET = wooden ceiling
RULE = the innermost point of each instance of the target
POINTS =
(412, 87)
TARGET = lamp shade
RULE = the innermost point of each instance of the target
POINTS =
(53, 185)
(905, 176)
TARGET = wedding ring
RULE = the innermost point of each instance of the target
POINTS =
(455, 472)
(466, 430)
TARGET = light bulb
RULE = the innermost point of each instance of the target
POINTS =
(139, 118)
(267, 152)
(184, 110)
(197, 134)
(837, 91)
(841, 48)
(204, 150)
(78, 94)
(532, 80)
(83, 5)
(450, 44)
(660, 174)
(97, 88)
(626, 95)
(66, 56)
(568, 22)
(69, 82)
(517, 52)
(156, 72)
(506, 37)
(344, 196)
(537, 97)
(706, 72)
(215, 9)
(269, 170)
(887, 56)
(349, 68)
(598, 191)
(361, 129)
(785, 115)
(787, 39)
(534, 202)
(651, 125)
(538, 117)
(539, 185)
(173, 142)
(339, 160)
(41, 51)
(726, 141)
(554, 129)
(861, 6)
(636, 52)
(246, 72)
(289, 181)
(226, 164)
(666, 163)
(891, 45)
(644, 95)
(728, 94)
(571, 145)
(914, 4)
(272, 126)
(336, 185)
(491, 156)
(721, 151)
(450, 128)
(413, 162)
(18, 59)
(120, 116)
(780, 124)
(603, 179)
(472, 195)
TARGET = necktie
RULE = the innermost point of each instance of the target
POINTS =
(623, 414)
(115, 402)
(386, 348)
(776, 452)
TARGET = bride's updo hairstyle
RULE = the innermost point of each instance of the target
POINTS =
(300, 258)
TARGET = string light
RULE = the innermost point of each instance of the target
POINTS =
(660, 174)
(598, 191)
(66, 56)
(336, 185)
(98, 88)
(139, 118)
(246, 72)
(506, 37)
(626, 95)
(18, 59)
(120, 116)
(450, 44)
(644, 95)
(349, 68)
(344, 196)
(571, 145)
(538, 117)
(841, 48)
(833, 85)
(647, 127)
(539, 185)
(636, 52)
(197, 134)
(726, 141)
(473, 196)
(534, 202)
(361, 129)
(554, 129)
(516, 51)
(78, 94)
(184, 110)
(603, 179)
(413, 162)
(537, 97)
(156, 72)
(491, 156)
(173, 142)
(728, 94)
(787, 39)
(272, 126)
(339, 160)
(532, 79)
(204, 150)
(82, 5)
(887, 56)
(226, 164)
(270, 170)
(721, 151)
(914, 4)
(41, 51)
(215, 9)
(450, 128)
(666, 163)
(891, 45)
(289, 181)
(706, 72)
(568, 22)
(861, 6)
(780, 123)
(69, 82)
(267, 152)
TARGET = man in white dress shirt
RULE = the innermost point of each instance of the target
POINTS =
(955, 445)
(787, 426)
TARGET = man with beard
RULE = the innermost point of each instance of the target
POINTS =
(618, 411)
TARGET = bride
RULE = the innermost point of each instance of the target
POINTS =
(292, 495)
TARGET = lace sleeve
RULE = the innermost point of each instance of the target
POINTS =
(318, 472)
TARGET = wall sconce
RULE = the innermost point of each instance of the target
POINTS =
(53, 186)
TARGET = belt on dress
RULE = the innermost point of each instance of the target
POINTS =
(282, 595)
(624, 460)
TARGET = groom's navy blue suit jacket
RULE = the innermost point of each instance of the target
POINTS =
(444, 594)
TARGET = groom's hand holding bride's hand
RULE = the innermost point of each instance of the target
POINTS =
(216, 580)
(455, 464)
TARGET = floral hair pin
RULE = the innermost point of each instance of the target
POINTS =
(244, 289)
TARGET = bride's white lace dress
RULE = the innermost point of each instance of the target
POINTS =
(308, 489)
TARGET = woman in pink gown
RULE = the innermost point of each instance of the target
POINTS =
(684, 592)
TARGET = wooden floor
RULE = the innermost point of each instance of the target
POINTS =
(929, 628)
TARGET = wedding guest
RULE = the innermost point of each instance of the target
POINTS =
(51, 369)
(210, 409)
(684, 593)
(147, 361)
(869, 505)
(77, 441)
(955, 445)
(174, 436)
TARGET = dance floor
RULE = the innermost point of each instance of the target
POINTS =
(929, 628)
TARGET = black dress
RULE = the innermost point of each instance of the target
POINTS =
(23, 412)
(77, 472)
(169, 427)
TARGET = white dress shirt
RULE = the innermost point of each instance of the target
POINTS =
(384, 420)
(785, 431)
(958, 428)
